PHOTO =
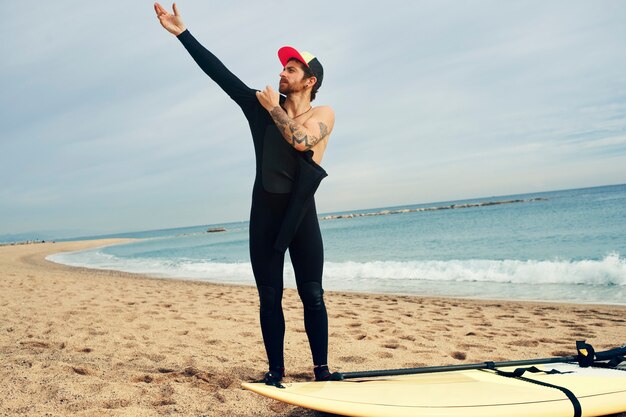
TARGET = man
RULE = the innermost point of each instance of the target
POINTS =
(290, 137)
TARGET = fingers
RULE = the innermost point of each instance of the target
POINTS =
(267, 92)
(175, 9)
(159, 10)
(262, 97)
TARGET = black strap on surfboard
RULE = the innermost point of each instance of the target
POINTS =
(517, 374)
(521, 371)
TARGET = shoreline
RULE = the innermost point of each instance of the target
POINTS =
(80, 341)
(250, 282)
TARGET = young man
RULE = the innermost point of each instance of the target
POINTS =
(290, 137)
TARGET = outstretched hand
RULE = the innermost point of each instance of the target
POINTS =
(171, 22)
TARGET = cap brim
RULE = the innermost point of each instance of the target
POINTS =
(287, 52)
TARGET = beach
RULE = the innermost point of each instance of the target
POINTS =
(84, 342)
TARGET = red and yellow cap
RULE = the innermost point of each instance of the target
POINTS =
(287, 52)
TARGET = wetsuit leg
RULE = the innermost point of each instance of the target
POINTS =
(267, 265)
(307, 257)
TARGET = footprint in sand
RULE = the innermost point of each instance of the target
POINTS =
(144, 378)
(414, 364)
(461, 356)
(163, 402)
(81, 370)
(525, 343)
(360, 336)
(113, 404)
(35, 344)
(392, 345)
(352, 359)
(155, 357)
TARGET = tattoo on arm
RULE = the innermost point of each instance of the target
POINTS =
(280, 117)
(294, 132)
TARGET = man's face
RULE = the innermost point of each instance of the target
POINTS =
(291, 78)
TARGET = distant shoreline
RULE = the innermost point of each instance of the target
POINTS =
(12, 238)
(435, 208)
(25, 242)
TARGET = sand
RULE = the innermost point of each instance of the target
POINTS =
(82, 342)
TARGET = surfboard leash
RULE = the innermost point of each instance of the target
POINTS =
(587, 356)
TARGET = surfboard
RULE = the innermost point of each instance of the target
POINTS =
(468, 393)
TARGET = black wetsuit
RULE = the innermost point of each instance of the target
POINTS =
(277, 174)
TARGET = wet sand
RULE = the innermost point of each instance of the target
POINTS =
(83, 342)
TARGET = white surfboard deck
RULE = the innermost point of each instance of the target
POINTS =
(473, 393)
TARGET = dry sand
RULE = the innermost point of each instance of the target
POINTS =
(84, 342)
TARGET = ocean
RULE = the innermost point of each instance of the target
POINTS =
(564, 246)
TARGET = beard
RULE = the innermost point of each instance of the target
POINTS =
(286, 88)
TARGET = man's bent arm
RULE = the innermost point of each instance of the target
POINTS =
(303, 136)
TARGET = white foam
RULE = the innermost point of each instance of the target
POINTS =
(172, 268)
(588, 281)
(609, 271)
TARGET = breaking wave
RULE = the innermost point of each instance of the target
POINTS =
(609, 271)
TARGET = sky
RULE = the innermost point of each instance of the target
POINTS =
(108, 126)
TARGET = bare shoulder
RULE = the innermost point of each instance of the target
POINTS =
(324, 110)
(324, 114)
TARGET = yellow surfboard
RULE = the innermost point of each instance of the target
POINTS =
(471, 393)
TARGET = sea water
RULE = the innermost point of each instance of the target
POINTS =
(564, 246)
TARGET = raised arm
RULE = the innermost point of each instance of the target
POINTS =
(173, 23)
(208, 62)
(302, 136)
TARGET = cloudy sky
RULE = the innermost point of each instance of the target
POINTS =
(109, 126)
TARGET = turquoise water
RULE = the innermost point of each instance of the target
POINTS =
(569, 246)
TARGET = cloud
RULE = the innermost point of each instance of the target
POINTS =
(103, 111)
